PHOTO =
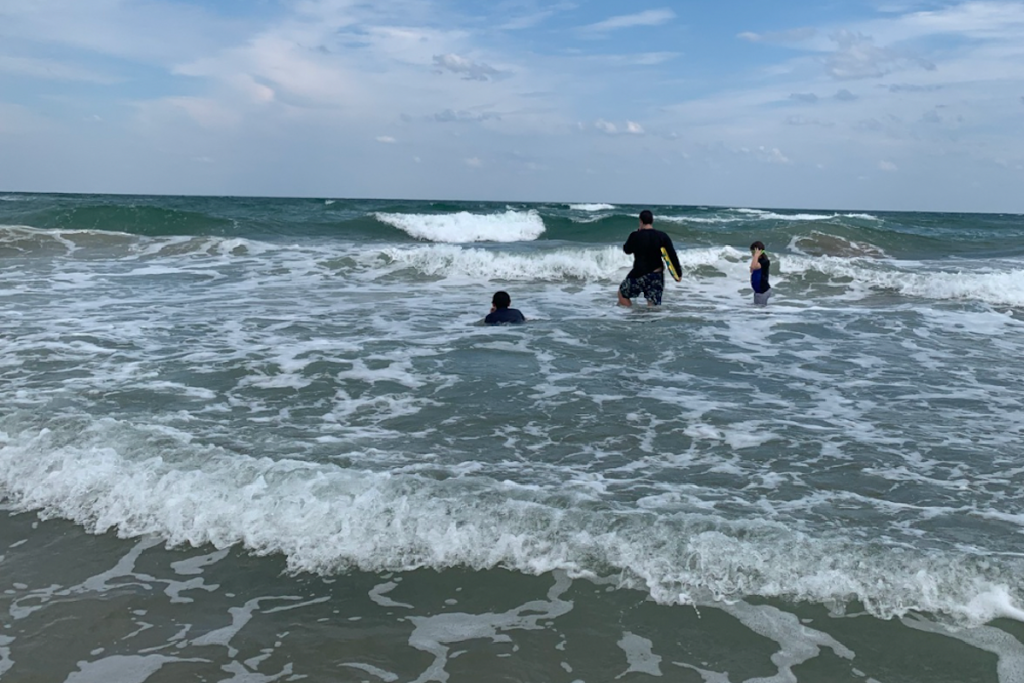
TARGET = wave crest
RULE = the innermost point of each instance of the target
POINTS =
(569, 264)
(325, 519)
(510, 226)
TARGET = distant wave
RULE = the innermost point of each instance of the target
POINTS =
(711, 220)
(591, 207)
(759, 214)
(510, 226)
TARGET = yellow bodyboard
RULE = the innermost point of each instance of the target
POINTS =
(669, 266)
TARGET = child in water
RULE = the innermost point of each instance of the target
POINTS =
(760, 265)
(500, 311)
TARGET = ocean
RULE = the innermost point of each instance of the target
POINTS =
(255, 440)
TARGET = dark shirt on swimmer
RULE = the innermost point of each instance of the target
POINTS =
(645, 246)
(759, 278)
(505, 315)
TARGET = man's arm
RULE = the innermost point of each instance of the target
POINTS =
(628, 246)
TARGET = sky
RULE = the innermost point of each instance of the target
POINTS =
(882, 105)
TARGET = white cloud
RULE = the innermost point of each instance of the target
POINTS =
(887, 166)
(524, 21)
(153, 32)
(386, 139)
(808, 98)
(772, 155)
(207, 112)
(474, 71)
(797, 120)
(652, 17)
(610, 128)
(858, 57)
(474, 162)
(640, 59)
(460, 115)
(49, 69)
(796, 35)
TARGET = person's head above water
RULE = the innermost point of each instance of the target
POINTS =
(501, 300)
(757, 245)
(646, 217)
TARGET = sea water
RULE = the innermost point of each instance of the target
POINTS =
(257, 440)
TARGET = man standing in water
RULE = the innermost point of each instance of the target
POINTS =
(648, 274)
(760, 266)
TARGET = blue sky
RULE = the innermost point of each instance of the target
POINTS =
(843, 105)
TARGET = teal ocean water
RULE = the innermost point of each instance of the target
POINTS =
(259, 440)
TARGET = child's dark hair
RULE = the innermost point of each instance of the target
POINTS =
(501, 300)
(646, 217)
(757, 245)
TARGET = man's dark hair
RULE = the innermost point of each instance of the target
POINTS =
(757, 245)
(501, 300)
(646, 217)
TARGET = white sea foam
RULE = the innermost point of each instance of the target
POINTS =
(1005, 646)
(5, 653)
(798, 642)
(565, 264)
(591, 207)
(759, 214)
(123, 668)
(583, 264)
(907, 278)
(510, 226)
(707, 220)
(639, 655)
(324, 518)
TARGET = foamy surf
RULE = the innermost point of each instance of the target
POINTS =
(561, 265)
(510, 226)
(939, 283)
(325, 519)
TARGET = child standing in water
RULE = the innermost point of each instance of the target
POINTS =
(760, 266)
